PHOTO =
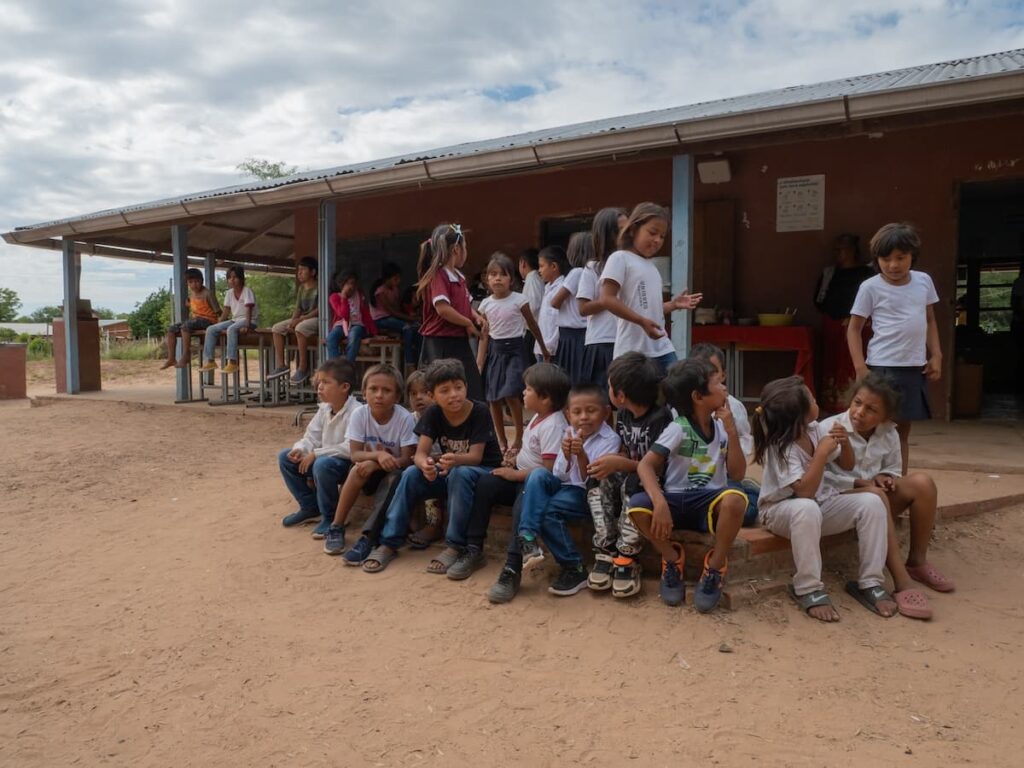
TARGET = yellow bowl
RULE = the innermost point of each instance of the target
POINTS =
(776, 319)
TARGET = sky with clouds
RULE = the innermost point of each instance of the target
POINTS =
(113, 102)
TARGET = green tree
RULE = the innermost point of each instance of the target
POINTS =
(46, 314)
(264, 169)
(6, 334)
(9, 304)
(275, 297)
(152, 315)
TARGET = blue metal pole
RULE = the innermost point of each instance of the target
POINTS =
(327, 259)
(179, 250)
(210, 272)
(682, 246)
(72, 274)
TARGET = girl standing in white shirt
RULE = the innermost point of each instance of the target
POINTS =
(631, 288)
(901, 304)
(572, 326)
(599, 341)
(500, 354)
(553, 266)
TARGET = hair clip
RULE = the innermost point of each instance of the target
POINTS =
(457, 229)
(759, 409)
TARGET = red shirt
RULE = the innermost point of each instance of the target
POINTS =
(451, 284)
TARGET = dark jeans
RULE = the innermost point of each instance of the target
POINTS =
(414, 488)
(409, 333)
(547, 505)
(337, 335)
(490, 492)
(383, 494)
(328, 472)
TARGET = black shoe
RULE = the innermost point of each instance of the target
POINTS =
(570, 581)
(506, 587)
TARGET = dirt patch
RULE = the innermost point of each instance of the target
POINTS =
(153, 611)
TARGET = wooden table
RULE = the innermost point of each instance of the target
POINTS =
(734, 339)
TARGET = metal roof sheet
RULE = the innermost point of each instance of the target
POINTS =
(989, 65)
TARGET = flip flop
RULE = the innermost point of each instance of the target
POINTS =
(870, 597)
(815, 599)
(380, 557)
(445, 560)
(913, 604)
(930, 576)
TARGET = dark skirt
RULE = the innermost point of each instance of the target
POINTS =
(503, 370)
(596, 359)
(912, 385)
(569, 355)
(457, 347)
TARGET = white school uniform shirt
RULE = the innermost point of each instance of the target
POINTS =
(505, 316)
(742, 421)
(603, 442)
(569, 313)
(601, 327)
(779, 475)
(238, 305)
(542, 439)
(533, 290)
(880, 454)
(327, 434)
(640, 290)
(391, 437)
(547, 320)
(899, 318)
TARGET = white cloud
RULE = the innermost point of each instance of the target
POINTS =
(148, 99)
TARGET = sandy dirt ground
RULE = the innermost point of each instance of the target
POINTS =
(153, 611)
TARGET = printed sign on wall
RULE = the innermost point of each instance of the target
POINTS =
(800, 203)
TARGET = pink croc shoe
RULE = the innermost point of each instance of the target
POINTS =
(913, 604)
(929, 575)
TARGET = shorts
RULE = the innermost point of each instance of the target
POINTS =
(692, 510)
(308, 327)
(192, 324)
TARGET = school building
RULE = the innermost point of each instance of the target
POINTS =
(758, 187)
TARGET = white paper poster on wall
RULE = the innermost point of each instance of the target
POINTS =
(800, 203)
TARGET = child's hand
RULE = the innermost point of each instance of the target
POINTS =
(446, 462)
(575, 443)
(567, 444)
(295, 455)
(429, 469)
(386, 461)
(886, 482)
(601, 467)
(724, 415)
(661, 521)
(839, 434)
(547, 357)
(651, 328)
(933, 368)
(306, 462)
(366, 468)
(861, 370)
(472, 331)
(686, 300)
(505, 473)
(826, 446)
(509, 457)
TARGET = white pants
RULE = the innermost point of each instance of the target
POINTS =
(804, 522)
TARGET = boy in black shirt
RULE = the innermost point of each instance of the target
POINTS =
(465, 433)
(633, 382)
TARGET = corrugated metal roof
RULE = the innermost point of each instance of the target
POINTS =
(987, 66)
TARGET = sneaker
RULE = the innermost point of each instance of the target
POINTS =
(600, 578)
(531, 551)
(299, 376)
(209, 365)
(321, 529)
(471, 559)
(358, 552)
(709, 588)
(506, 587)
(334, 541)
(570, 580)
(300, 517)
(673, 589)
(626, 577)
(231, 367)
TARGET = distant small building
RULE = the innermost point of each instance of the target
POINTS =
(115, 330)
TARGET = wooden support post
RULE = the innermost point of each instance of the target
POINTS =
(72, 278)
(682, 247)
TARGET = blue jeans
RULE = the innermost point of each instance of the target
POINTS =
(328, 473)
(547, 505)
(408, 332)
(412, 489)
(337, 335)
(665, 361)
(461, 487)
(296, 482)
(229, 327)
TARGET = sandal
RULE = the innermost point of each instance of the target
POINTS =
(913, 604)
(816, 599)
(379, 558)
(870, 597)
(418, 541)
(439, 565)
(930, 576)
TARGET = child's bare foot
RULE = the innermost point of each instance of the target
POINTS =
(167, 364)
(824, 613)
(875, 599)
(182, 362)
(815, 604)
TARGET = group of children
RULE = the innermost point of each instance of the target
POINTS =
(673, 457)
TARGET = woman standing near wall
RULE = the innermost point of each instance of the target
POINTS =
(836, 290)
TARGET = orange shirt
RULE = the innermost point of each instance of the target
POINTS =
(199, 306)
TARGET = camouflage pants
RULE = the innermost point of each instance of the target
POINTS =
(614, 530)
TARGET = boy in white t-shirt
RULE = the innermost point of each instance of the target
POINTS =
(381, 444)
(702, 461)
